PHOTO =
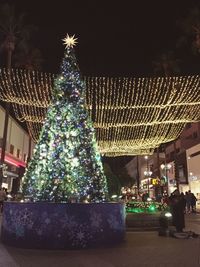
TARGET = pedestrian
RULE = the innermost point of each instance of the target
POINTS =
(165, 200)
(184, 201)
(177, 204)
(3, 197)
(145, 197)
(193, 202)
(188, 201)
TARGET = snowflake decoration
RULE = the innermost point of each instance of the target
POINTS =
(11, 211)
(80, 236)
(39, 232)
(114, 224)
(96, 220)
(47, 221)
(68, 222)
(19, 231)
(24, 217)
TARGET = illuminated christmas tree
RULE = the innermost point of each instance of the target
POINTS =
(66, 163)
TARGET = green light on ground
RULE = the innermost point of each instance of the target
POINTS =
(152, 208)
(135, 210)
(145, 207)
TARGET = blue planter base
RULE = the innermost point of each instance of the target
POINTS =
(44, 225)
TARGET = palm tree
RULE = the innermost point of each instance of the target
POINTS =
(28, 58)
(113, 182)
(13, 33)
(166, 64)
(190, 27)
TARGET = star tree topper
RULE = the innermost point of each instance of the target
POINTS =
(69, 41)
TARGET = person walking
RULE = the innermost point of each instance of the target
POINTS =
(193, 202)
(177, 206)
(184, 201)
(188, 202)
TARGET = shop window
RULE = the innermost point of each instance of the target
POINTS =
(18, 153)
(13, 168)
(181, 174)
(151, 167)
(11, 149)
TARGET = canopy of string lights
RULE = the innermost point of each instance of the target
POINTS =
(131, 115)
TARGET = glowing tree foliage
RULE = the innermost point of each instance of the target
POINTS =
(66, 163)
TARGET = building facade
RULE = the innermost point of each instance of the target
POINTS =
(178, 165)
(19, 148)
(179, 152)
(193, 169)
(146, 170)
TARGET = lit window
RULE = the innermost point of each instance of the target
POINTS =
(11, 149)
(18, 153)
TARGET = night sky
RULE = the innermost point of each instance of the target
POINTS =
(115, 38)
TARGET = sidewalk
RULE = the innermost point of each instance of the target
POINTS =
(138, 250)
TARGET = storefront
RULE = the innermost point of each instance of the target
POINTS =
(13, 170)
(193, 160)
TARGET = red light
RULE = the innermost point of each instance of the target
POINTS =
(14, 162)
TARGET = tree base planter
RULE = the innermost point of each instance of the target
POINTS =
(62, 225)
(142, 220)
(146, 221)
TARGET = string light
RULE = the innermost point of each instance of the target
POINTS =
(131, 115)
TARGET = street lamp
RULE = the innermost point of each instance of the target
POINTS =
(166, 168)
(148, 174)
(4, 168)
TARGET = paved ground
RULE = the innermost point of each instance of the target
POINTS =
(138, 250)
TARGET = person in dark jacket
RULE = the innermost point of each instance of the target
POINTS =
(177, 206)
(184, 201)
(193, 202)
